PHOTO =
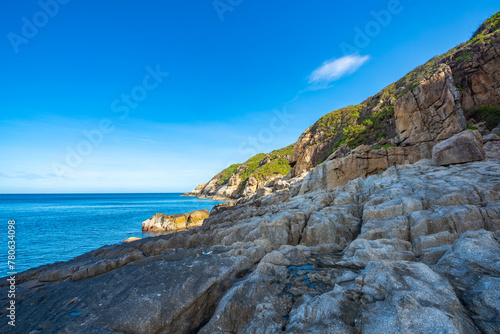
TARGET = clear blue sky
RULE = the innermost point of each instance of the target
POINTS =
(232, 66)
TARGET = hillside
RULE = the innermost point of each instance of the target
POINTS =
(464, 83)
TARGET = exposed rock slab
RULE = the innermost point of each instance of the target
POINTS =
(161, 222)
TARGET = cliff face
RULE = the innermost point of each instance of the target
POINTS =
(430, 104)
(244, 179)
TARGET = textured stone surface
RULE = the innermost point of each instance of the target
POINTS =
(431, 112)
(412, 250)
(466, 146)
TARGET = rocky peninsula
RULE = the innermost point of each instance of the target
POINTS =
(385, 219)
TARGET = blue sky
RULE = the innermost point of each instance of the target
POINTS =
(158, 96)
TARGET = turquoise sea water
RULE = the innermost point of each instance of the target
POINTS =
(58, 227)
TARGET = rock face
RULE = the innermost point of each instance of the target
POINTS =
(413, 250)
(430, 104)
(466, 146)
(361, 162)
(161, 222)
(243, 180)
(431, 112)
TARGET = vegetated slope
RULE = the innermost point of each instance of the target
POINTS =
(469, 72)
(245, 178)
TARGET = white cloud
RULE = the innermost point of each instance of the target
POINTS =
(335, 69)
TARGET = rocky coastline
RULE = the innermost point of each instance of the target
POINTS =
(370, 234)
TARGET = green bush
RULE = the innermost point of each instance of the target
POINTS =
(488, 114)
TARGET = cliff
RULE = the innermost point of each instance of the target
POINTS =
(374, 239)
(429, 104)
(244, 179)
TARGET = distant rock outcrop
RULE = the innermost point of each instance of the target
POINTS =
(161, 222)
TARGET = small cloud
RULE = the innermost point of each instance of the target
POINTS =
(27, 176)
(335, 69)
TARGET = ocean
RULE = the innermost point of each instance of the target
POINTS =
(57, 227)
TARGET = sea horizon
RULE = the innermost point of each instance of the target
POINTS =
(47, 223)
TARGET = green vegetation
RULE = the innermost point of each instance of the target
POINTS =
(471, 127)
(332, 122)
(464, 57)
(226, 174)
(278, 166)
(490, 25)
(262, 166)
(378, 147)
(488, 114)
(251, 165)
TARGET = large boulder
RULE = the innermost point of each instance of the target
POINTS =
(466, 146)
(161, 222)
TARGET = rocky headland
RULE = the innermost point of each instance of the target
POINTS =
(385, 219)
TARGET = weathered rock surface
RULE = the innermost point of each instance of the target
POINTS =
(431, 112)
(413, 250)
(161, 222)
(466, 146)
(361, 162)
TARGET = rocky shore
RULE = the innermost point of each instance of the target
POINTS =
(394, 234)
(415, 249)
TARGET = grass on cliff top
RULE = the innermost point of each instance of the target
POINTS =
(461, 54)
(277, 164)
(359, 124)
(488, 114)
(489, 26)
(356, 129)
(226, 174)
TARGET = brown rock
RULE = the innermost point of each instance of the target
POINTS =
(362, 162)
(430, 112)
(161, 222)
(466, 146)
